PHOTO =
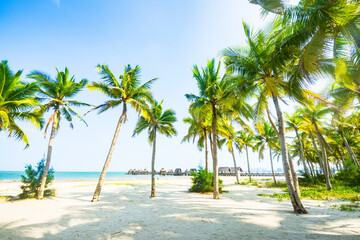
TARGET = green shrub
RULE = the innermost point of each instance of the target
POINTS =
(32, 181)
(350, 177)
(203, 182)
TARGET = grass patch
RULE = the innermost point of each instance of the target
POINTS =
(349, 207)
(242, 183)
(8, 197)
(276, 185)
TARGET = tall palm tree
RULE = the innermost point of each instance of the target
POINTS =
(126, 91)
(245, 140)
(17, 99)
(269, 69)
(157, 121)
(312, 115)
(200, 126)
(227, 131)
(268, 138)
(294, 122)
(57, 94)
(214, 96)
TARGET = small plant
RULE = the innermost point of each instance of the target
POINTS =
(203, 182)
(32, 181)
(349, 207)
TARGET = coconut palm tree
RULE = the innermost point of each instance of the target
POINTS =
(268, 138)
(17, 98)
(269, 69)
(315, 24)
(157, 121)
(57, 94)
(245, 140)
(127, 91)
(311, 115)
(227, 131)
(200, 126)
(214, 96)
(294, 123)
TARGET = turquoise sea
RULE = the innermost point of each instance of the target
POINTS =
(16, 175)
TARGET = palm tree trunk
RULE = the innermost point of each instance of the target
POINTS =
(236, 170)
(295, 199)
(293, 172)
(272, 167)
(302, 153)
(48, 159)
(248, 163)
(348, 147)
(214, 150)
(326, 169)
(317, 152)
(206, 153)
(108, 158)
(153, 166)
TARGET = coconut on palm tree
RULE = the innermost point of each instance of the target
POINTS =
(58, 95)
(128, 90)
(157, 121)
(17, 100)
(214, 96)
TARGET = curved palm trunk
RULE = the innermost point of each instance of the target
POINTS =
(48, 160)
(248, 163)
(236, 170)
(325, 162)
(348, 147)
(214, 151)
(153, 166)
(302, 153)
(295, 199)
(206, 152)
(108, 158)
(272, 167)
(295, 178)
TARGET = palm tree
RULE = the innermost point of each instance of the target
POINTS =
(268, 138)
(126, 91)
(200, 126)
(311, 115)
(269, 70)
(157, 121)
(245, 140)
(314, 24)
(227, 131)
(57, 94)
(294, 122)
(214, 96)
(17, 98)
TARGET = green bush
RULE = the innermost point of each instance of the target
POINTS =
(32, 181)
(203, 182)
(350, 177)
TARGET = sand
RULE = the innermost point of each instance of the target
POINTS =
(126, 212)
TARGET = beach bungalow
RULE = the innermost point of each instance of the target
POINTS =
(224, 171)
(187, 172)
(163, 171)
(193, 170)
(170, 172)
(178, 171)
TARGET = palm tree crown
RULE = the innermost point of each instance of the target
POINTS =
(17, 98)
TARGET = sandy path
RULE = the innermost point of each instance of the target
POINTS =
(127, 212)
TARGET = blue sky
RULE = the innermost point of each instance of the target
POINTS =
(166, 38)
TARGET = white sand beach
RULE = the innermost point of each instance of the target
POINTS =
(125, 211)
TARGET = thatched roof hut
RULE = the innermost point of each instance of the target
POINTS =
(178, 171)
(163, 171)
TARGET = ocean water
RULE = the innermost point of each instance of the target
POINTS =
(16, 175)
